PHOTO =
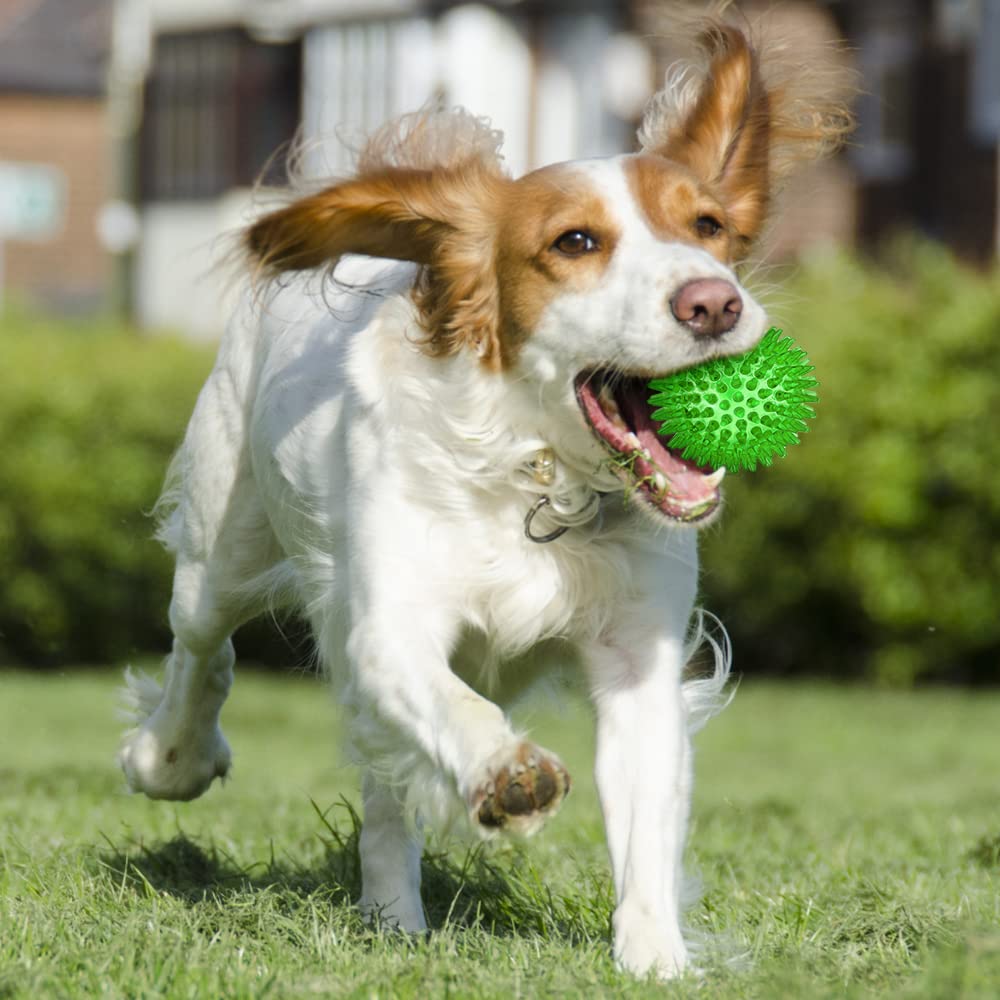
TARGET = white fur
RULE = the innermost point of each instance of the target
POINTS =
(333, 465)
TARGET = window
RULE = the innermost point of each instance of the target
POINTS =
(882, 148)
(218, 106)
(359, 75)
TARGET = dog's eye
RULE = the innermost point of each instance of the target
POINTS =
(707, 226)
(574, 243)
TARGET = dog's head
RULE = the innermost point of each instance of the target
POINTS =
(581, 281)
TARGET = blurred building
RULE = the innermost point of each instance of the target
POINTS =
(199, 96)
(54, 170)
(231, 82)
(926, 151)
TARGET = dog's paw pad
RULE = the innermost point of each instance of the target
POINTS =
(162, 767)
(523, 792)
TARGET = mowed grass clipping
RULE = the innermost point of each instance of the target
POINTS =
(848, 842)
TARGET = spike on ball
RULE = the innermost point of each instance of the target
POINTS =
(741, 411)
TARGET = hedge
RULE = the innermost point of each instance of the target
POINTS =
(873, 548)
(870, 551)
(88, 420)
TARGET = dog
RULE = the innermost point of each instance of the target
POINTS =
(428, 431)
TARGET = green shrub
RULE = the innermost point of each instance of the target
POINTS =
(870, 551)
(873, 549)
(88, 420)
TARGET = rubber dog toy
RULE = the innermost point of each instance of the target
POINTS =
(740, 411)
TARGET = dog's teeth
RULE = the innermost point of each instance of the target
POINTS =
(661, 481)
(633, 441)
(608, 403)
(716, 477)
(646, 455)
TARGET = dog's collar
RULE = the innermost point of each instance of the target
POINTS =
(543, 466)
(543, 471)
(542, 501)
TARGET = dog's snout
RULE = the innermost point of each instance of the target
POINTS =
(707, 306)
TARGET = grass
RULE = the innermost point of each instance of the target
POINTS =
(848, 841)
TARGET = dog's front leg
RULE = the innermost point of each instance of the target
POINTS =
(421, 729)
(643, 780)
(426, 733)
(390, 850)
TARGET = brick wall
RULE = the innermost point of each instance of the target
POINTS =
(69, 271)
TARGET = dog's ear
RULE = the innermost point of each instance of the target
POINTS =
(443, 219)
(724, 139)
(746, 118)
(395, 213)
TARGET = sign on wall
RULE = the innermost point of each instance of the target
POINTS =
(32, 201)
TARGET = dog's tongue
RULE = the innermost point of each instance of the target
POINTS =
(686, 479)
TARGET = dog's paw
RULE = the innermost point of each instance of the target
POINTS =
(169, 762)
(643, 946)
(405, 916)
(522, 789)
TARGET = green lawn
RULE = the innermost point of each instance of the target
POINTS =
(847, 839)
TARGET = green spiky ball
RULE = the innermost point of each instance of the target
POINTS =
(738, 411)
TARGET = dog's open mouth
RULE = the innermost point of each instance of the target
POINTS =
(616, 407)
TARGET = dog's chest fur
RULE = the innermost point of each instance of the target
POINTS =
(358, 439)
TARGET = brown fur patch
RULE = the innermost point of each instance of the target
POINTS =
(538, 209)
(672, 199)
(386, 214)
(442, 219)
(485, 244)
(739, 126)
(724, 140)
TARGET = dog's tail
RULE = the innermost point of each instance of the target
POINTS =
(706, 696)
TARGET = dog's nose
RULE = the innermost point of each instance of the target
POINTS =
(707, 306)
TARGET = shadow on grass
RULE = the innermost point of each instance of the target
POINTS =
(473, 892)
(986, 852)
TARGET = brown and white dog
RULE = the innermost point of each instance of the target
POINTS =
(442, 454)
